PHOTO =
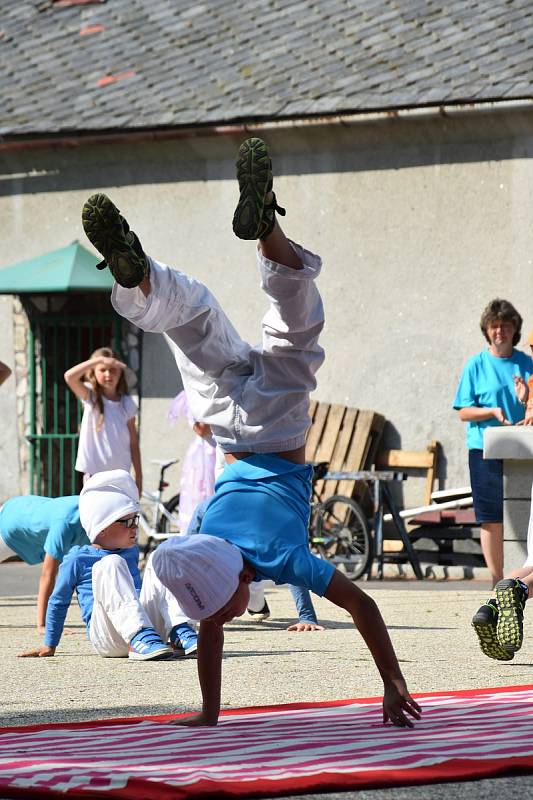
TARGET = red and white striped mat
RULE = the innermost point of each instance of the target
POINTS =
(275, 750)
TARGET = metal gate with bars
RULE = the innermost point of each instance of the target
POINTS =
(57, 342)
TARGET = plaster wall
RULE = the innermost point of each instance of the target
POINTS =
(420, 223)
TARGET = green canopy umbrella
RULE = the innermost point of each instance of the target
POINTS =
(70, 269)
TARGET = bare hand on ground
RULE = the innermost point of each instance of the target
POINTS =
(299, 627)
(397, 702)
(42, 652)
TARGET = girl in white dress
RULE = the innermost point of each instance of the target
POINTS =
(108, 433)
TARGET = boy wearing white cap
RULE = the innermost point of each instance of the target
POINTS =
(256, 400)
(124, 617)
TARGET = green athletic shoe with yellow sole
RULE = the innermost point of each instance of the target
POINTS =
(255, 213)
(109, 232)
(484, 622)
(510, 598)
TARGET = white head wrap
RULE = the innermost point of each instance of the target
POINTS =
(201, 571)
(106, 497)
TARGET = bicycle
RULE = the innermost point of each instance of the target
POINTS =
(339, 530)
(164, 521)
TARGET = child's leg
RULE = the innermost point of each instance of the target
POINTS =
(275, 401)
(117, 613)
(257, 604)
(512, 594)
(160, 605)
(254, 400)
(525, 574)
(210, 355)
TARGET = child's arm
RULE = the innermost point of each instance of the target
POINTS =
(57, 610)
(74, 377)
(46, 587)
(367, 618)
(135, 454)
(307, 620)
(210, 647)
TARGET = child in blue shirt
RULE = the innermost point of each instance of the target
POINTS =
(256, 400)
(123, 616)
(41, 530)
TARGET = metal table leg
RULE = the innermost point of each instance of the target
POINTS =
(400, 526)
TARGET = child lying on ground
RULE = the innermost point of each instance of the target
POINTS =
(256, 400)
(123, 617)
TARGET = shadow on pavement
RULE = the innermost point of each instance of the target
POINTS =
(48, 715)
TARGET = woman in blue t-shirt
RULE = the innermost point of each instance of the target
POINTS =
(492, 391)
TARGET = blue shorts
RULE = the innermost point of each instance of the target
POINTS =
(486, 479)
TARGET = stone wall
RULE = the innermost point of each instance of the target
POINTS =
(20, 343)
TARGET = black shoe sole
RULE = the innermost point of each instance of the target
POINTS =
(254, 173)
(103, 226)
(510, 629)
(485, 628)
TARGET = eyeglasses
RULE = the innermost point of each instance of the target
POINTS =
(131, 522)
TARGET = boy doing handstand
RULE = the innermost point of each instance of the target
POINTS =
(256, 400)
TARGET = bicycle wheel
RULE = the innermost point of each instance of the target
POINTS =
(165, 525)
(341, 534)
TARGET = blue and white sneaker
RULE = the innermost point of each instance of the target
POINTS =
(184, 638)
(147, 645)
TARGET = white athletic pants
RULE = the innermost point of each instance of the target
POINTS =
(257, 595)
(118, 614)
(254, 398)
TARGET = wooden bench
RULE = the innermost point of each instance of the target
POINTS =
(348, 438)
(445, 527)
(416, 462)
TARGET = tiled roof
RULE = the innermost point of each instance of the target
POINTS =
(85, 65)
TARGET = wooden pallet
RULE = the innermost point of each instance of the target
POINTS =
(348, 438)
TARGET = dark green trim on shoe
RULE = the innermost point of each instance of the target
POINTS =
(109, 232)
(254, 217)
(484, 623)
(511, 599)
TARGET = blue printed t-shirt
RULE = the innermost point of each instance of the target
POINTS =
(33, 526)
(261, 505)
(76, 573)
(487, 382)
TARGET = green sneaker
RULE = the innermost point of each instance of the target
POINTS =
(254, 216)
(511, 599)
(109, 232)
(484, 623)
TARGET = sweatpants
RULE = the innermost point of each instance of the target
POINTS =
(118, 613)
